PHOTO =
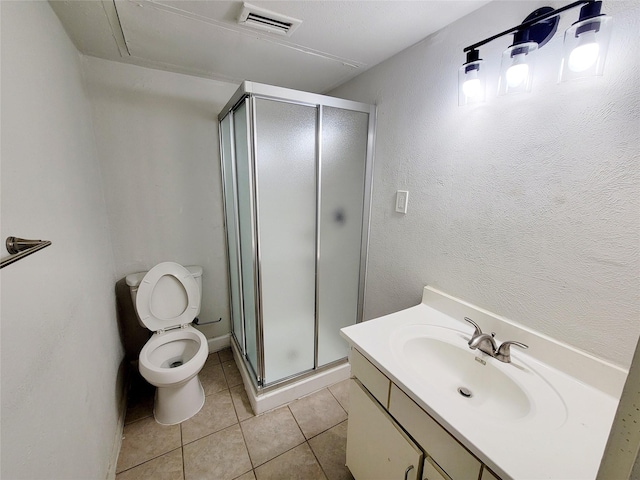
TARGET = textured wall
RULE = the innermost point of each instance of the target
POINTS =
(60, 345)
(528, 206)
(157, 138)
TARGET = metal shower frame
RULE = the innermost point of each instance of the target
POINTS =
(247, 93)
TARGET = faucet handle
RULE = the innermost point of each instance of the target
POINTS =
(477, 327)
(504, 351)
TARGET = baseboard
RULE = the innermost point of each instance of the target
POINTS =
(219, 343)
(121, 385)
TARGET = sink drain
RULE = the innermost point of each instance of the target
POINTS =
(175, 364)
(465, 392)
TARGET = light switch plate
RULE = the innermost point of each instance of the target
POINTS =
(402, 198)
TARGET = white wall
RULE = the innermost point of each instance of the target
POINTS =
(60, 348)
(527, 205)
(157, 138)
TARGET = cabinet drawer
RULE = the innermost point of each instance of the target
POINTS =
(452, 457)
(372, 378)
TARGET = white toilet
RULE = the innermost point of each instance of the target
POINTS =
(167, 299)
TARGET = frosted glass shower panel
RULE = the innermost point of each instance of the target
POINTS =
(343, 168)
(247, 237)
(228, 175)
(285, 138)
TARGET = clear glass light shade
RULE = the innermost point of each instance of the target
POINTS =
(516, 71)
(585, 48)
(471, 83)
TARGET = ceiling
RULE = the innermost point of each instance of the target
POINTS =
(336, 40)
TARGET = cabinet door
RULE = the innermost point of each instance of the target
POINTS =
(377, 448)
(430, 471)
(488, 475)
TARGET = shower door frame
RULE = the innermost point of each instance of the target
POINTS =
(248, 92)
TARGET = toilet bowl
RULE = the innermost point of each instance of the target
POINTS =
(167, 299)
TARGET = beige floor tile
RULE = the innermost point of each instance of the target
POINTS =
(216, 414)
(298, 463)
(241, 402)
(220, 456)
(226, 354)
(232, 373)
(165, 467)
(144, 440)
(271, 434)
(139, 408)
(213, 358)
(247, 476)
(330, 448)
(212, 377)
(340, 390)
(317, 412)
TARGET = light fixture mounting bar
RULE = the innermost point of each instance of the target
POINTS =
(529, 23)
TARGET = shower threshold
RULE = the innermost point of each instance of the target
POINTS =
(274, 396)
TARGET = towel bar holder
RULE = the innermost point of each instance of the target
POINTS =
(20, 248)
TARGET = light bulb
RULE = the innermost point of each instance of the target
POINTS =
(516, 74)
(583, 56)
(472, 87)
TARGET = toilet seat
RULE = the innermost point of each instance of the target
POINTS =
(153, 316)
(159, 375)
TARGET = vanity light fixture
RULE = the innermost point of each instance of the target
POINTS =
(518, 61)
(586, 43)
(471, 79)
(585, 48)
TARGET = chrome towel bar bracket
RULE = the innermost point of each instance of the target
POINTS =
(20, 248)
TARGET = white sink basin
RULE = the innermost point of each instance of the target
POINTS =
(506, 392)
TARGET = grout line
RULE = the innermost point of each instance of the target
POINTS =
(337, 400)
(317, 459)
(212, 433)
(253, 467)
(149, 460)
(326, 429)
(281, 454)
(184, 471)
(184, 474)
(297, 423)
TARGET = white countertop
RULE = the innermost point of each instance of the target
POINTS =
(570, 447)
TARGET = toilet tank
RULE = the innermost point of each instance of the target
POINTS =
(133, 281)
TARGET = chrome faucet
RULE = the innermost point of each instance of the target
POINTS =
(486, 343)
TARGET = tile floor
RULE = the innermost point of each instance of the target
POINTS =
(304, 440)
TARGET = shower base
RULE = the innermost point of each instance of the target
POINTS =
(278, 395)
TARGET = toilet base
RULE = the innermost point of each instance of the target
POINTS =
(176, 404)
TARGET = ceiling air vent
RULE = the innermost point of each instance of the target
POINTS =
(266, 20)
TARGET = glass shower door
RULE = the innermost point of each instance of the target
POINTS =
(342, 184)
(285, 136)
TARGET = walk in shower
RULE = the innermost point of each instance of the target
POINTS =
(297, 171)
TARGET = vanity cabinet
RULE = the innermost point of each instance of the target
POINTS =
(383, 421)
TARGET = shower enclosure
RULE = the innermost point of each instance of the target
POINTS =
(297, 171)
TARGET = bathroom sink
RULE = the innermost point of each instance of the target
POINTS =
(479, 384)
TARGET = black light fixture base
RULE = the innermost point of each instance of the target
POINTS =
(538, 19)
(540, 32)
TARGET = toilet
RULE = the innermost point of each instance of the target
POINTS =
(167, 299)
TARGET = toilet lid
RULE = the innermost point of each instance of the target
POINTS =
(168, 296)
